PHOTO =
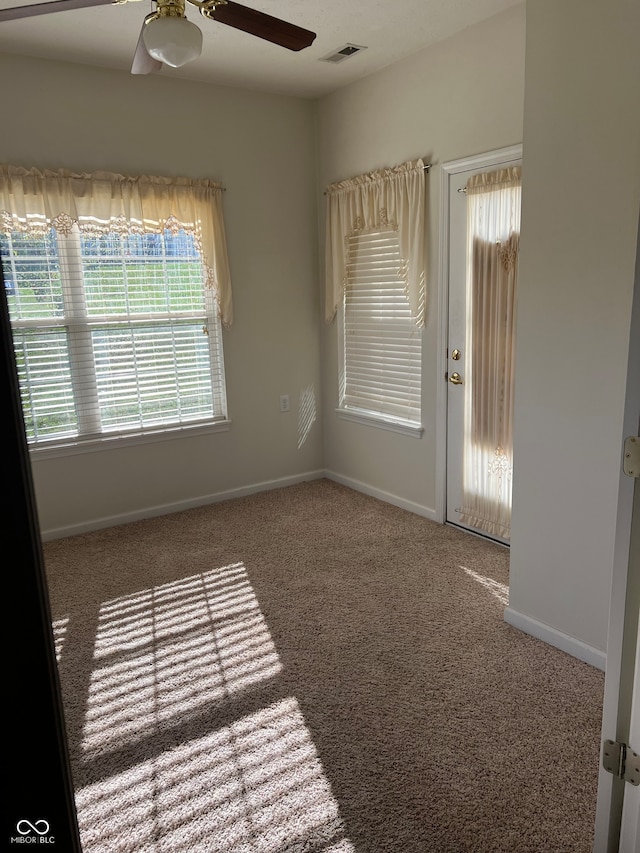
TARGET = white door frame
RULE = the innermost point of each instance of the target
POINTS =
(630, 824)
(624, 601)
(447, 170)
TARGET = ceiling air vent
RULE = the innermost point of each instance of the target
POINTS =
(344, 53)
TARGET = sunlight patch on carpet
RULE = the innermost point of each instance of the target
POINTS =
(255, 786)
(166, 653)
(497, 589)
(60, 635)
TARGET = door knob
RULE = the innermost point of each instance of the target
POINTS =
(456, 379)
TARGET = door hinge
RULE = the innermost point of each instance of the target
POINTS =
(623, 762)
(631, 461)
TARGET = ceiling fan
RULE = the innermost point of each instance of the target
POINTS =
(168, 38)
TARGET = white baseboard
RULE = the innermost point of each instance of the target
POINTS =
(387, 497)
(556, 638)
(178, 506)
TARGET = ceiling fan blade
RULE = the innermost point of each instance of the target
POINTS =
(45, 8)
(261, 25)
(142, 62)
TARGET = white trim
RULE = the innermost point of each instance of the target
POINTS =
(479, 161)
(373, 420)
(217, 497)
(576, 648)
(387, 497)
(441, 354)
(107, 442)
(624, 596)
(453, 167)
(177, 506)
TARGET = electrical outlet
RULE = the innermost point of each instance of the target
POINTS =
(284, 403)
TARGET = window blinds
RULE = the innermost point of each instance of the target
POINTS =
(382, 343)
(113, 333)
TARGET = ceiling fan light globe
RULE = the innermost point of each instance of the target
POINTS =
(174, 41)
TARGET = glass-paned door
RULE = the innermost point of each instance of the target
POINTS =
(484, 247)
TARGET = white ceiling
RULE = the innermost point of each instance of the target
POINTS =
(390, 30)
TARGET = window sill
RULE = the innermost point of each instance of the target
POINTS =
(369, 419)
(108, 442)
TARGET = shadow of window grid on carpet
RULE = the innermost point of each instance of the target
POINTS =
(255, 785)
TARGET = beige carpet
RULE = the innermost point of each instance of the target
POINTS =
(310, 670)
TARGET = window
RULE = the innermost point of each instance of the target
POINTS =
(381, 374)
(115, 330)
(375, 284)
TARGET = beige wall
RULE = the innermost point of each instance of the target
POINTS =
(262, 148)
(581, 196)
(460, 97)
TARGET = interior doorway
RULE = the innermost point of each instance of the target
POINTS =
(481, 201)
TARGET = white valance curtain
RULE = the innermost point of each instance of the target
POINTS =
(493, 237)
(385, 200)
(101, 202)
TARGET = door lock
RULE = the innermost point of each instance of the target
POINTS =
(456, 379)
(455, 355)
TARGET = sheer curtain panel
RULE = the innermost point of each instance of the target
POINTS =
(493, 236)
